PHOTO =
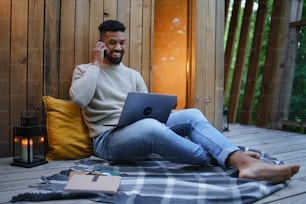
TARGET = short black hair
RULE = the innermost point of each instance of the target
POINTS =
(111, 25)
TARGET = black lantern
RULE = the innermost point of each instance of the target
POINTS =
(29, 142)
(225, 119)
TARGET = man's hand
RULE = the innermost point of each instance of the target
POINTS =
(98, 53)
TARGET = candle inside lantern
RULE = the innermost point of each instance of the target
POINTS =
(24, 150)
(42, 139)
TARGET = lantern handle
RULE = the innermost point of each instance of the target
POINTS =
(29, 118)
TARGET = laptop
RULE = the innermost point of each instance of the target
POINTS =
(138, 106)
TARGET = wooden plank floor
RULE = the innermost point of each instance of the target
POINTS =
(287, 146)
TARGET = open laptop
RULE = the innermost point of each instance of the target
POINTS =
(138, 106)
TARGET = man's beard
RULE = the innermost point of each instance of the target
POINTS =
(112, 59)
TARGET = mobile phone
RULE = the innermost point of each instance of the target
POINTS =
(105, 51)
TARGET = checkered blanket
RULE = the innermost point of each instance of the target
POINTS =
(156, 181)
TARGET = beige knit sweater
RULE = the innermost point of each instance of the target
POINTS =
(101, 92)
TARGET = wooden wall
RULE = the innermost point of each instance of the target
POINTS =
(42, 40)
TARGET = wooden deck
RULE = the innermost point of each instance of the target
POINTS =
(287, 146)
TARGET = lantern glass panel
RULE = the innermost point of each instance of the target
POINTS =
(29, 146)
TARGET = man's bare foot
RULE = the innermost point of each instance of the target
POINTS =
(269, 172)
(253, 168)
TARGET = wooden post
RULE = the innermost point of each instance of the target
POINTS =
(208, 72)
(219, 90)
(269, 77)
(249, 92)
(287, 72)
(231, 42)
(239, 65)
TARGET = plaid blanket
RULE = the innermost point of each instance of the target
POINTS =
(157, 181)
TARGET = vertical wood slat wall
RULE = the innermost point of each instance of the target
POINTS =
(42, 40)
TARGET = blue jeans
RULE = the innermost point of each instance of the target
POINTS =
(187, 137)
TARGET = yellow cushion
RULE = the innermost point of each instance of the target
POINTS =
(68, 136)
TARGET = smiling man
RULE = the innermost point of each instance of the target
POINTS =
(112, 42)
(100, 89)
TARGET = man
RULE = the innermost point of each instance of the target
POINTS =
(101, 87)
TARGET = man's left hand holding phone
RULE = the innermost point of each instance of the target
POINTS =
(99, 53)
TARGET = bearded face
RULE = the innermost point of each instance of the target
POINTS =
(114, 56)
(115, 43)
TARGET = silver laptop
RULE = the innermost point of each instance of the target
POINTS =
(138, 106)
